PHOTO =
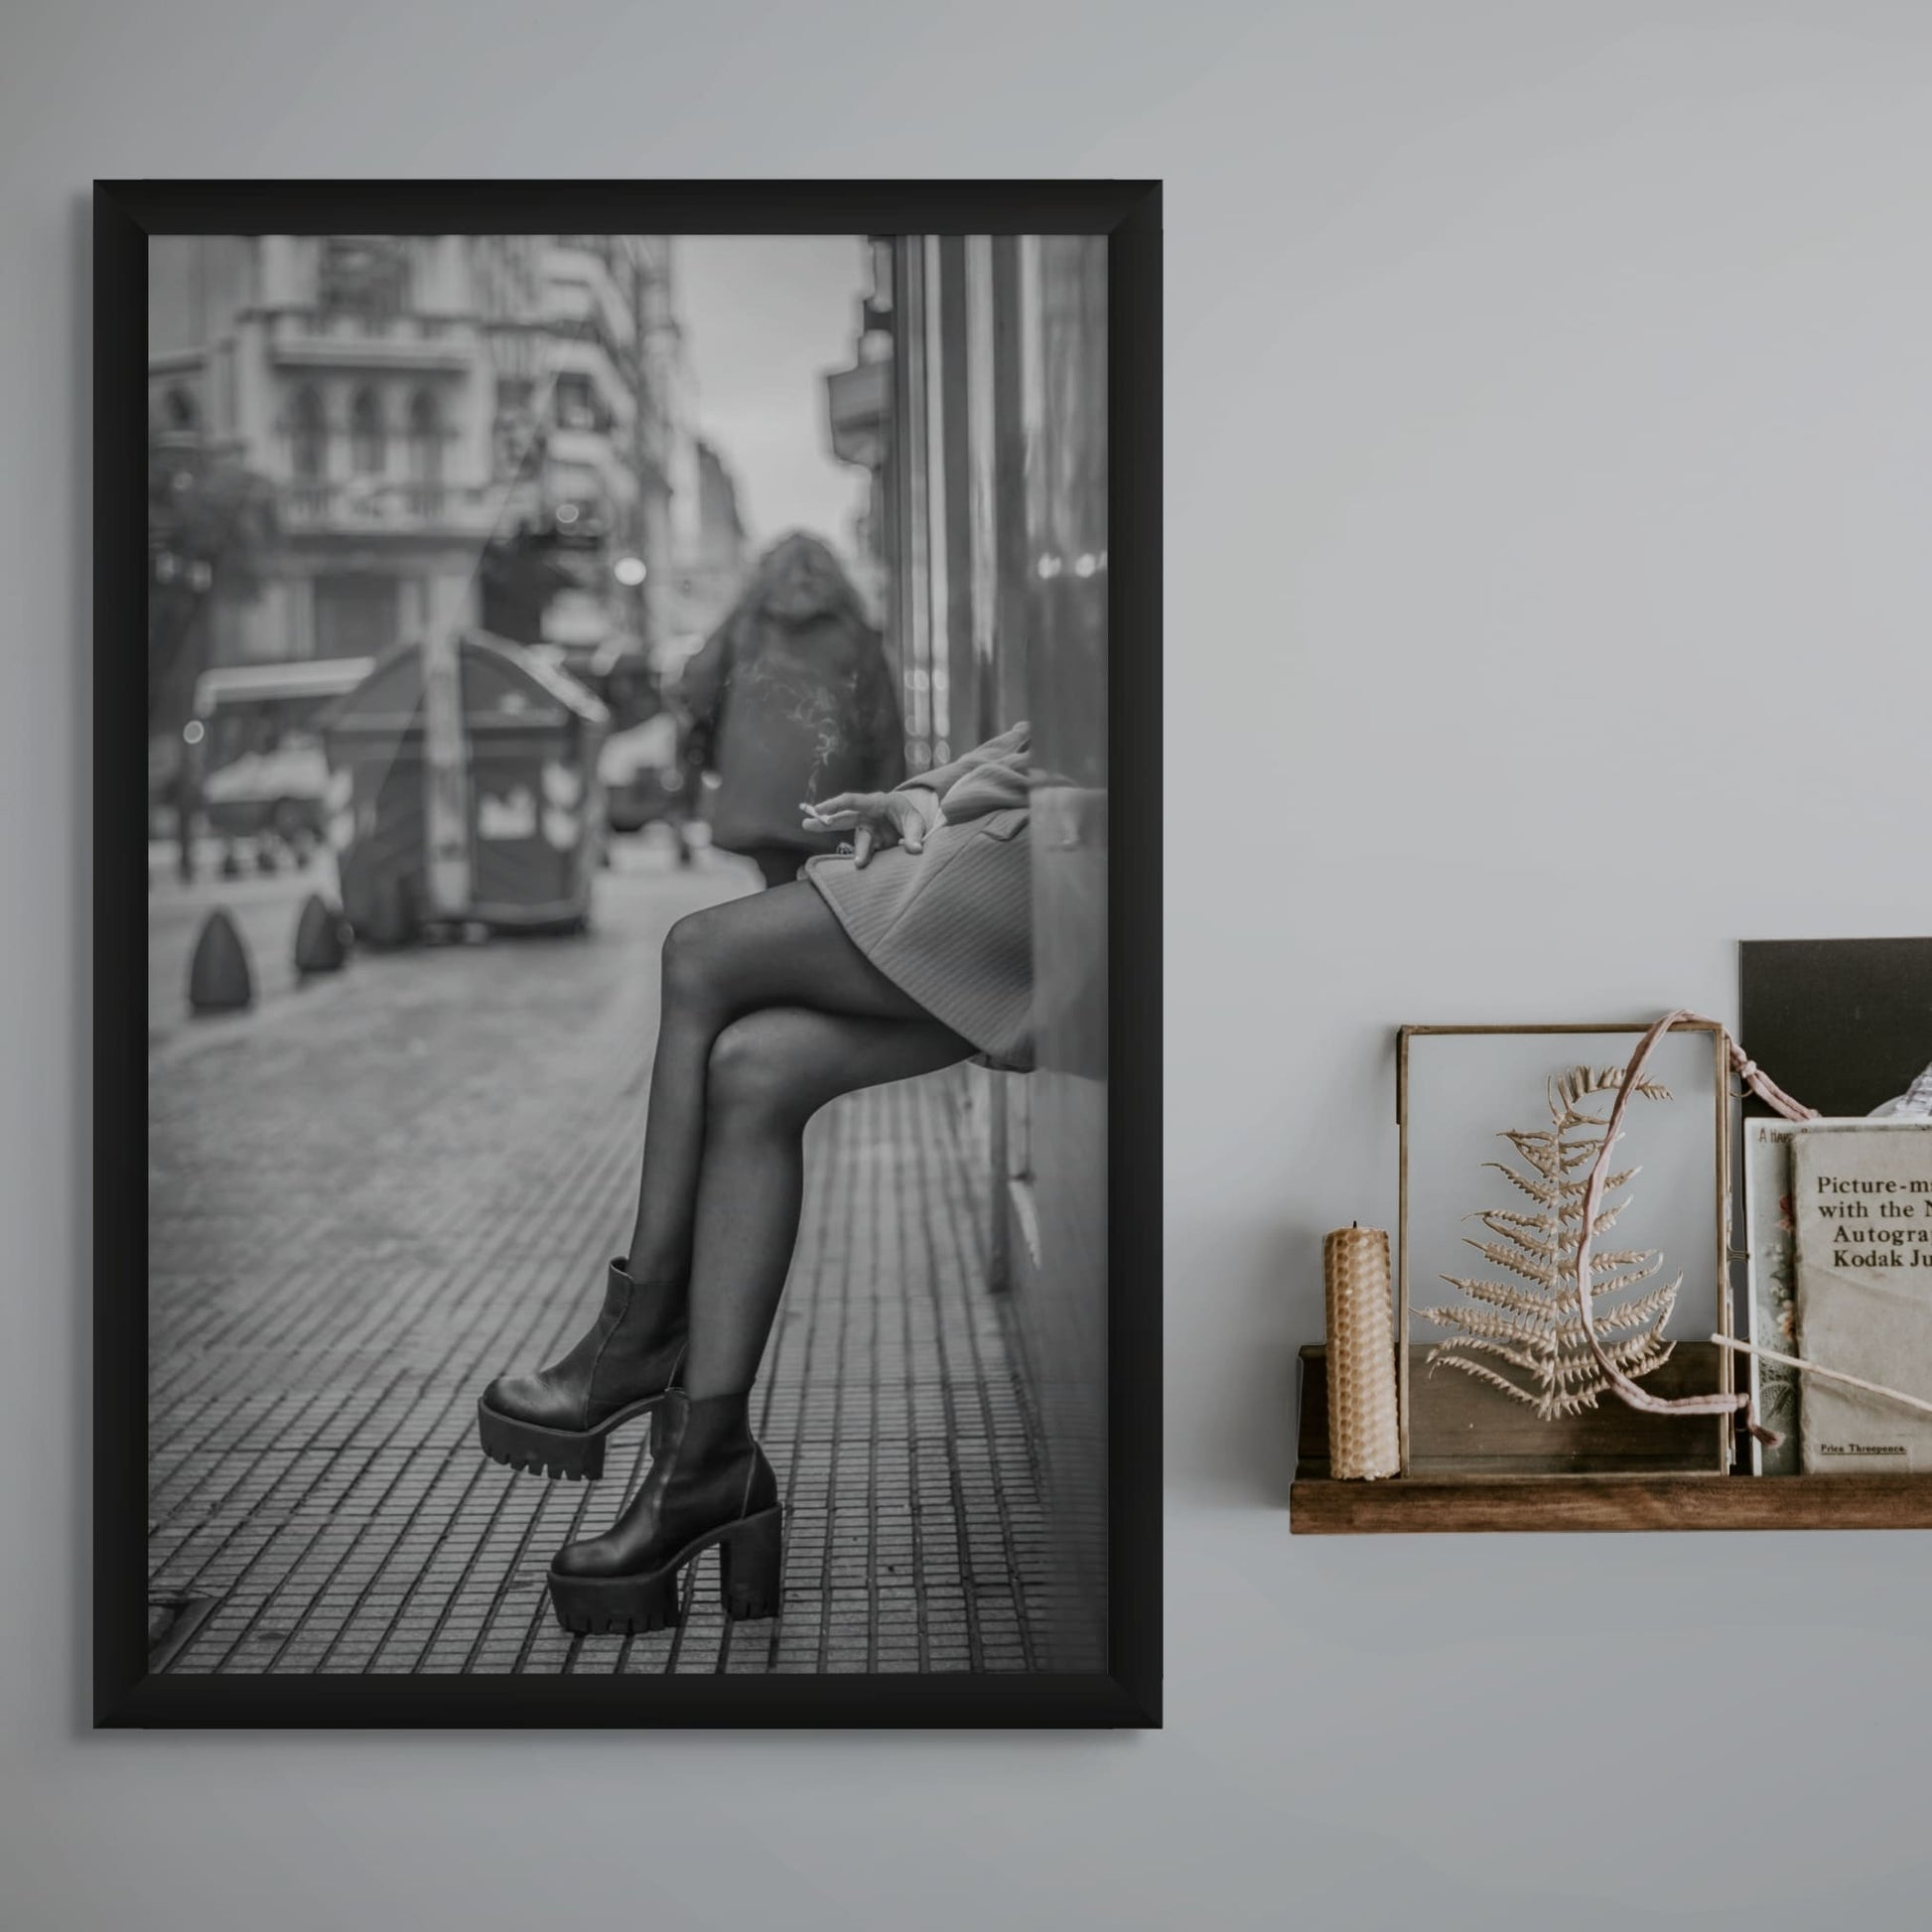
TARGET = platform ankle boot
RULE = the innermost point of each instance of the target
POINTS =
(708, 1482)
(555, 1422)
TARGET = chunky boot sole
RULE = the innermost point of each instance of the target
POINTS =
(574, 1454)
(750, 1562)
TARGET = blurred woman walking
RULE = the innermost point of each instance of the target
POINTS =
(791, 698)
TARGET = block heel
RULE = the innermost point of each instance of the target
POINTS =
(751, 1567)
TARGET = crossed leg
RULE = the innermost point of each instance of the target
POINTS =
(802, 1016)
(770, 1071)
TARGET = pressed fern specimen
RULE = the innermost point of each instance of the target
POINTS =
(1524, 1335)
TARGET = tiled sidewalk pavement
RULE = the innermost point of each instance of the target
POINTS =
(366, 1205)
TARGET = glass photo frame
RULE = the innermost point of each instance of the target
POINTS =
(1495, 1144)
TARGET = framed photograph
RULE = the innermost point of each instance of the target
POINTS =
(1843, 1024)
(1498, 1127)
(627, 1180)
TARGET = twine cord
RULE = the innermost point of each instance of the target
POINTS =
(1825, 1374)
(1781, 1103)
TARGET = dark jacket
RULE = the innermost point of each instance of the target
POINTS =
(787, 714)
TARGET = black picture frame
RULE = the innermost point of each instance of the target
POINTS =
(1128, 1692)
(1845, 1024)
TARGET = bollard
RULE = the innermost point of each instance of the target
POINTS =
(387, 916)
(321, 937)
(218, 976)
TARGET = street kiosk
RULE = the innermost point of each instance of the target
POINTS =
(464, 790)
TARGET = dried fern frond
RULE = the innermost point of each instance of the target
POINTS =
(1580, 1370)
(1609, 1262)
(1521, 1230)
(1642, 1313)
(1499, 1219)
(1524, 1335)
(1483, 1373)
(1529, 1269)
(1529, 1361)
(1499, 1295)
(1550, 1194)
(1628, 1279)
(1538, 1149)
(1491, 1323)
(1582, 1082)
(1546, 1193)
(1570, 1160)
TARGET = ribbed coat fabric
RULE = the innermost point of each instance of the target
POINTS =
(952, 925)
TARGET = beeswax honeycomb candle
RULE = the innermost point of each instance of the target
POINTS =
(1362, 1437)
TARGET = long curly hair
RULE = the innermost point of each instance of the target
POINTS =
(798, 580)
(810, 672)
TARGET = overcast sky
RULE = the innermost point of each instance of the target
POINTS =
(765, 317)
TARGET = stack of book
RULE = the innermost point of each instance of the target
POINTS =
(1840, 1226)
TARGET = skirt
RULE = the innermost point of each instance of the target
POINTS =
(951, 926)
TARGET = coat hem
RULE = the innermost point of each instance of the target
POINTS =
(1001, 1058)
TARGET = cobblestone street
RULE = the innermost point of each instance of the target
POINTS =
(370, 1196)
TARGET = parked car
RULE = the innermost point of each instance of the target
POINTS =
(259, 746)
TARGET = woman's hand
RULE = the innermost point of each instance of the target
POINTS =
(876, 819)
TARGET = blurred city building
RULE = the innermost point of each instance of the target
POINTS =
(709, 558)
(859, 405)
(622, 476)
(355, 439)
(361, 380)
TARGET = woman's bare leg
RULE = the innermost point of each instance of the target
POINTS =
(770, 1072)
(777, 948)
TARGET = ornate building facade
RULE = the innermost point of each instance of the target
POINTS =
(363, 378)
(400, 405)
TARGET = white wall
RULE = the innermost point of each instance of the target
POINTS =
(1550, 425)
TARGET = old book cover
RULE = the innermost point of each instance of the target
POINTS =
(1771, 1279)
(1862, 1218)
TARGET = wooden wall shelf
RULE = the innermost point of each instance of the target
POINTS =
(1321, 1506)
(1432, 1501)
